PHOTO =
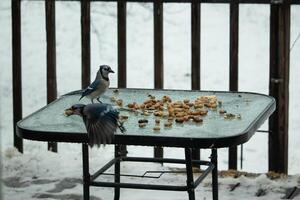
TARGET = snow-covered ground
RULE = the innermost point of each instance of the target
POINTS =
(38, 173)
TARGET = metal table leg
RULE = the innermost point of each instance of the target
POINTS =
(214, 161)
(117, 172)
(189, 174)
(86, 174)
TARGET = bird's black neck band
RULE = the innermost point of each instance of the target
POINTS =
(105, 78)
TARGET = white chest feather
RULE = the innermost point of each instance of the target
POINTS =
(100, 89)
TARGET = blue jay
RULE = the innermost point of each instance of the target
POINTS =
(99, 85)
(101, 121)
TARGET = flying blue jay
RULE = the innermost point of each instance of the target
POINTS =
(101, 121)
(99, 85)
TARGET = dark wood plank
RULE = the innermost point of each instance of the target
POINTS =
(279, 86)
(51, 58)
(85, 43)
(122, 53)
(233, 65)
(195, 53)
(158, 55)
(294, 2)
(17, 69)
(196, 26)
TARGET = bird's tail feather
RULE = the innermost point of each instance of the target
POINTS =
(74, 92)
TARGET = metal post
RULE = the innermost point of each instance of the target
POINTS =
(86, 174)
(117, 172)
(214, 161)
(189, 174)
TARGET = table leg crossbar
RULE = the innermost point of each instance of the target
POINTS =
(89, 180)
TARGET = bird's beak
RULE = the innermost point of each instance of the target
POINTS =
(69, 112)
(111, 71)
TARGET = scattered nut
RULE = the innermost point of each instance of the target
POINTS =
(143, 121)
(186, 101)
(113, 99)
(68, 112)
(229, 116)
(197, 119)
(116, 91)
(157, 121)
(168, 124)
(120, 102)
(142, 125)
(123, 117)
(222, 111)
(156, 128)
(179, 120)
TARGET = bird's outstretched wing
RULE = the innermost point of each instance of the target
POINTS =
(91, 88)
(101, 123)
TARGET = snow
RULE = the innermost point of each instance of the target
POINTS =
(40, 174)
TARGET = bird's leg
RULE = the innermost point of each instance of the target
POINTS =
(121, 127)
(98, 99)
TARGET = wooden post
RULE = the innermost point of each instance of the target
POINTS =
(17, 69)
(233, 65)
(196, 48)
(122, 53)
(85, 44)
(51, 58)
(279, 86)
(158, 56)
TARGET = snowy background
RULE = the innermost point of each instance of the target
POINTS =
(37, 172)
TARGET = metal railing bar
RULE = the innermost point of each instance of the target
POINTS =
(139, 186)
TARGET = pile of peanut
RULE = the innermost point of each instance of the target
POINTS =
(178, 111)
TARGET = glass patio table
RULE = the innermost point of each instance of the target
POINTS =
(249, 111)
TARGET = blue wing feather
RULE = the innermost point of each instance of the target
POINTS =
(91, 88)
(101, 121)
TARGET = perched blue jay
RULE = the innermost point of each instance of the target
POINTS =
(99, 85)
(101, 121)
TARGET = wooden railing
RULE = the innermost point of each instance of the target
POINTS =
(279, 62)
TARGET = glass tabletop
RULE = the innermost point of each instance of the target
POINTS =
(245, 113)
